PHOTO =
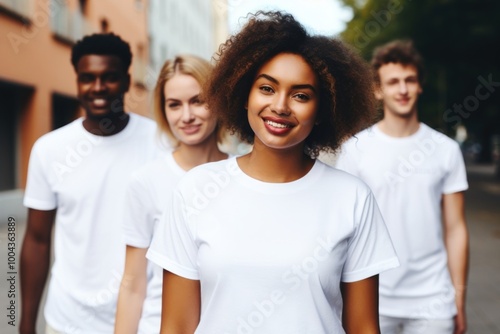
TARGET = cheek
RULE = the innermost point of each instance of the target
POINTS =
(171, 116)
(82, 88)
(203, 112)
(254, 101)
(310, 114)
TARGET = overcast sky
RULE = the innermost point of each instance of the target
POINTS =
(326, 17)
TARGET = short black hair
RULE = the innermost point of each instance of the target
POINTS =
(102, 44)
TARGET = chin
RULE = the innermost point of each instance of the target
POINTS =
(102, 113)
(405, 114)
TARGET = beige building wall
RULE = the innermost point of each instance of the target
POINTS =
(37, 81)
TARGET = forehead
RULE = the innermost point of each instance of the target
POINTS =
(99, 63)
(396, 70)
(181, 86)
(289, 67)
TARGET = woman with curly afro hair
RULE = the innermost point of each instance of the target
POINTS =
(276, 241)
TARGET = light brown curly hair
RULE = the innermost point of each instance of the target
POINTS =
(400, 51)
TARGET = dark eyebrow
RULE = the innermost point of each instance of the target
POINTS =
(270, 78)
(194, 97)
(197, 96)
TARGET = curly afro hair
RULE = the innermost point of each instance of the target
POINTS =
(346, 99)
(102, 44)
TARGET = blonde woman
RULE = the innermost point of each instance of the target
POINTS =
(183, 116)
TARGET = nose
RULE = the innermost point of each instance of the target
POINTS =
(280, 105)
(403, 88)
(187, 114)
(98, 85)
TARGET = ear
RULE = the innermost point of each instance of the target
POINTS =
(246, 105)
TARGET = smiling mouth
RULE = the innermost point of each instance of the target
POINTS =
(99, 102)
(190, 129)
(277, 125)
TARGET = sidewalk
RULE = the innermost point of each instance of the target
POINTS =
(11, 205)
(483, 218)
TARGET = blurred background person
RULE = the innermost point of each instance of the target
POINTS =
(77, 177)
(418, 177)
(183, 116)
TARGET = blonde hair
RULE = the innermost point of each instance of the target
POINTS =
(192, 65)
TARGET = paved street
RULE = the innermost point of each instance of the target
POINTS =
(483, 214)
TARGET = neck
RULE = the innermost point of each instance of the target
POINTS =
(397, 126)
(190, 156)
(106, 126)
(277, 166)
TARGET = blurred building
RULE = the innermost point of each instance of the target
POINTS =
(37, 81)
(189, 26)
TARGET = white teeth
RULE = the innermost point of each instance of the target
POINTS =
(277, 125)
(99, 102)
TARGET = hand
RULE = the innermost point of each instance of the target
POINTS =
(26, 329)
(460, 323)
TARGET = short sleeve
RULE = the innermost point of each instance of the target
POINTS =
(138, 216)
(39, 194)
(173, 246)
(370, 249)
(456, 176)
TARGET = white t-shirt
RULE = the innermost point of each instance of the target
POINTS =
(149, 192)
(408, 176)
(84, 176)
(270, 256)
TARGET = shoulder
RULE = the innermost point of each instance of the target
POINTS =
(361, 138)
(58, 137)
(142, 122)
(140, 118)
(439, 139)
(342, 181)
(209, 174)
(353, 149)
(222, 166)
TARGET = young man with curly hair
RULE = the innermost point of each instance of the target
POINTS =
(76, 181)
(275, 241)
(418, 177)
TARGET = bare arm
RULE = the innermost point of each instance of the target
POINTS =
(360, 312)
(132, 291)
(180, 304)
(35, 262)
(457, 247)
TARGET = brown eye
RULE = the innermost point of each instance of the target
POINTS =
(112, 77)
(302, 97)
(172, 105)
(85, 78)
(197, 101)
(266, 89)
